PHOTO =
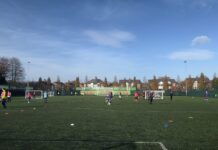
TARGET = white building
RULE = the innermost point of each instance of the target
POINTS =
(94, 83)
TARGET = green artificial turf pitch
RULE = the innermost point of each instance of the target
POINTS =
(185, 123)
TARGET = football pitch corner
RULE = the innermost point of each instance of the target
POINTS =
(160, 144)
(136, 145)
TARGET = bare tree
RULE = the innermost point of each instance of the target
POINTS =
(15, 70)
(3, 69)
(115, 83)
(86, 79)
(77, 82)
(58, 79)
(202, 82)
(165, 83)
(154, 84)
(178, 79)
(215, 81)
(190, 82)
(144, 80)
(105, 82)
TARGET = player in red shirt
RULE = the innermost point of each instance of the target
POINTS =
(136, 96)
(29, 97)
(9, 96)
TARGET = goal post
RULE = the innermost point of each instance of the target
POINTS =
(158, 94)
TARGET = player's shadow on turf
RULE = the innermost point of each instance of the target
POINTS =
(124, 146)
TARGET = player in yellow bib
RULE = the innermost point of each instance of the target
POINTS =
(4, 98)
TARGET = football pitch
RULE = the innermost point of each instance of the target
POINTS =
(87, 122)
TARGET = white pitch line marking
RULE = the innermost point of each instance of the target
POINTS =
(160, 143)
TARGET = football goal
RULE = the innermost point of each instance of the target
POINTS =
(38, 94)
(51, 93)
(157, 94)
(35, 94)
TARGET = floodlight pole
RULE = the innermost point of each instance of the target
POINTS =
(27, 74)
(9, 86)
(186, 89)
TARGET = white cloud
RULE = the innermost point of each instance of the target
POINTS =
(114, 38)
(51, 56)
(80, 62)
(193, 3)
(193, 54)
(200, 40)
(202, 3)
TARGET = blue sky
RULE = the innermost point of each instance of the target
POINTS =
(107, 38)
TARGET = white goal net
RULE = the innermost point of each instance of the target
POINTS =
(157, 94)
(51, 93)
(35, 94)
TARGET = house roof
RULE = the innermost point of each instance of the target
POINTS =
(171, 80)
(129, 81)
(197, 78)
(55, 83)
(161, 79)
(95, 81)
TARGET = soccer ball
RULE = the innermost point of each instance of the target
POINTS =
(72, 124)
(108, 103)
